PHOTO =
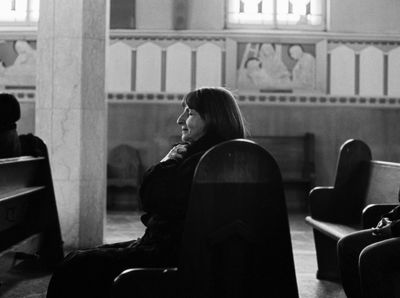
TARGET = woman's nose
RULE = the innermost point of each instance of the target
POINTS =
(181, 119)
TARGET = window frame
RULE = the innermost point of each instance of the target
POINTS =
(275, 24)
(27, 22)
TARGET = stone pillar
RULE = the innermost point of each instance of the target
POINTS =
(71, 112)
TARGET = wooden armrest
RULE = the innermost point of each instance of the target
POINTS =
(373, 213)
(320, 201)
(140, 282)
(328, 204)
(333, 230)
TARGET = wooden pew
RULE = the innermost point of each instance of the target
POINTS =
(295, 155)
(29, 224)
(236, 241)
(363, 190)
(296, 159)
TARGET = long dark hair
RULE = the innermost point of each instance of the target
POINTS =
(218, 107)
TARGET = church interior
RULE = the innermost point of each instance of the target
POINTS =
(102, 81)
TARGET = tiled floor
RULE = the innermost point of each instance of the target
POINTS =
(126, 225)
(123, 226)
(306, 263)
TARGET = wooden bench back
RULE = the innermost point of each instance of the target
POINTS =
(361, 181)
(353, 159)
(294, 155)
(237, 241)
(383, 183)
(28, 212)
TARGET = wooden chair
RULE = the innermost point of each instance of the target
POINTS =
(236, 241)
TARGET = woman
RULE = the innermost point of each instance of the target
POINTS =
(210, 116)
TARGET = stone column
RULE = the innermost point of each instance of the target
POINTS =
(71, 112)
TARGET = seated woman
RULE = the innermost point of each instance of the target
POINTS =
(368, 258)
(210, 116)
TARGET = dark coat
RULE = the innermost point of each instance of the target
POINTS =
(165, 193)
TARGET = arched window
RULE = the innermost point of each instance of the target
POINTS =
(277, 14)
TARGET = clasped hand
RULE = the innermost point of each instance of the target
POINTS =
(176, 153)
(383, 228)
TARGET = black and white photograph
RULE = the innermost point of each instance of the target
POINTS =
(199, 148)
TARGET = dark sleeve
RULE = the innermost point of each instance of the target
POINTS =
(166, 187)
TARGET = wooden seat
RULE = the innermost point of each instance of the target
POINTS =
(236, 241)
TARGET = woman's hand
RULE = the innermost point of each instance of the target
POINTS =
(383, 228)
(383, 222)
(176, 153)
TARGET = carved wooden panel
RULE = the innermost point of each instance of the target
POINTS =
(148, 68)
(371, 71)
(178, 71)
(119, 67)
(394, 72)
(342, 71)
(208, 65)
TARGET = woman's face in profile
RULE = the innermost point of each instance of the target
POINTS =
(192, 124)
